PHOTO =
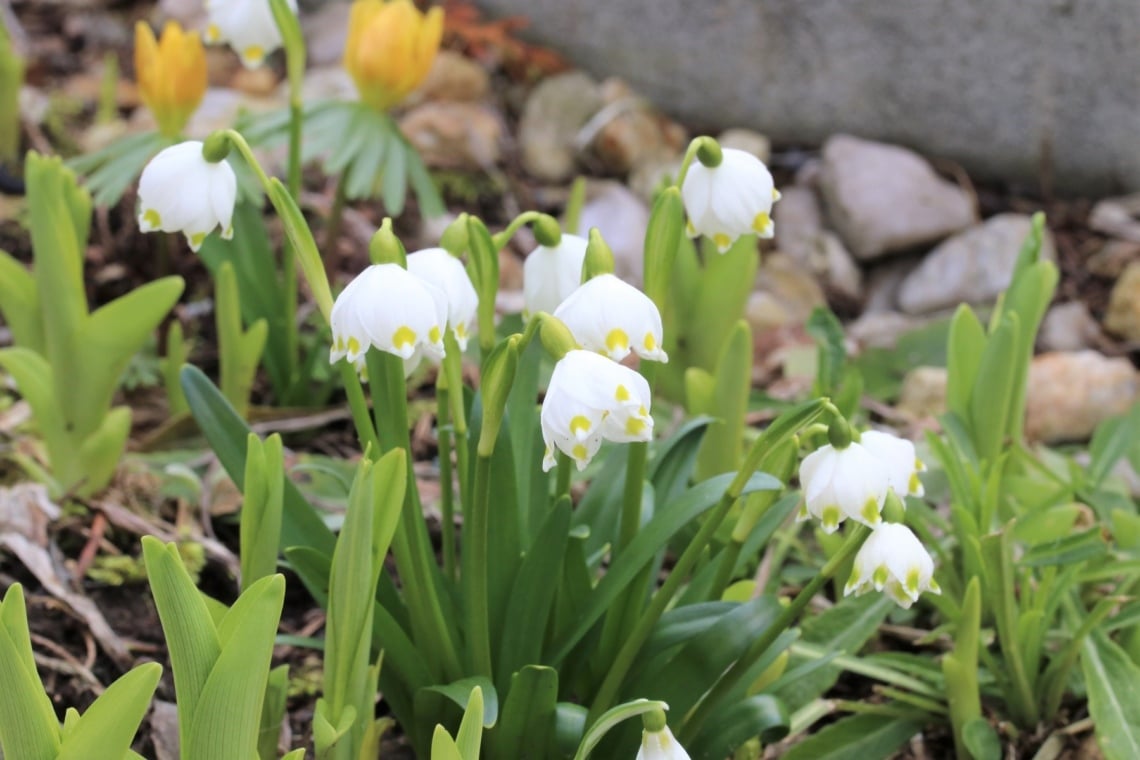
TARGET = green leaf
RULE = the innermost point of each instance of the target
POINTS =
(469, 740)
(427, 196)
(459, 692)
(394, 180)
(227, 435)
(825, 328)
(867, 737)
(28, 726)
(227, 720)
(722, 292)
(762, 716)
(110, 723)
(1087, 545)
(651, 539)
(662, 236)
(189, 630)
(443, 747)
(1113, 684)
(673, 460)
(527, 721)
(301, 238)
(532, 596)
(273, 712)
(1111, 441)
(722, 447)
(239, 351)
(260, 533)
(965, 346)
(20, 304)
(981, 740)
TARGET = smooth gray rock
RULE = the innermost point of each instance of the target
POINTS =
(1009, 89)
(551, 118)
(1068, 327)
(884, 199)
(971, 267)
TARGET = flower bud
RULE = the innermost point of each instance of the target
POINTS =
(385, 247)
(171, 73)
(390, 49)
(599, 256)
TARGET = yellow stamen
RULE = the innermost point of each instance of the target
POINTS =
(912, 578)
(579, 452)
(253, 54)
(617, 340)
(621, 393)
(722, 241)
(461, 330)
(880, 576)
(196, 239)
(650, 342)
(152, 217)
(580, 424)
(634, 426)
(761, 222)
(353, 346)
(404, 336)
(871, 511)
(829, 517)
(914, 484)
(213, 33)
(434, 334)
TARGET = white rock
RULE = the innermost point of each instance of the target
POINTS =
(1123, 316)
(882, 329)
(455, 135)
(551, 118)
(747, 140)
(800, 234)
(974, 266)
(923, 392)
(785, 294)
(622, 218)
(883, 198)
(1067, 327)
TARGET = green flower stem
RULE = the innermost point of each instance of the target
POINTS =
(411, 544)
(731, 679)
(476, 594)
(562, 482)
(690, 155)
(336, 214)
(503, 237)
(365, 430)
(446, 476)
(453, 368)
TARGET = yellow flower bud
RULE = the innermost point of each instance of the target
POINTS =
(390, 48)
(171, 72)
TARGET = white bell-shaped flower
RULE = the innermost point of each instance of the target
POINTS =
(660, 745)
(439, 268)
(610, 316)
(247, 26)
(897, 456)
(729, 200)
(591, 399)
(180, 191)
(552, 274)
(892, 559)
(842, 483)
(388, 307)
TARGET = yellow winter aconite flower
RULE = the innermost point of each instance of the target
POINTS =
(171, 73)
(390, 48)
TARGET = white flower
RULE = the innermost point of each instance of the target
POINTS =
(892, 559)
(897, 456)
(389, 308)
(608, 315)
(660, 745)
(552, 274)
(180, 191)
(248, 27)
(843, 483)
(439, 268)
(591, 399)
(730, 200)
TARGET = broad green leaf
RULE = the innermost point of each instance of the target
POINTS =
(394, 178)
(28, 726)
(108, 339)
(965, 345)
(100, 452)
(867, 737)
(227, 435)
(191, 638)
(260, 534)
(431, 205)
(239, 351)
(301, 238)
(762, 716)
(652, 538)
(527, 720)
(227, 720)
(443, 747)
(723, 290)
(459, 693)
(20, 304)
(846, 627)
(990, 405)
(723, 444)
(273, 712)
(672, 460)
(1111, 441)
(662, 236)
(532, 597)
(825, 328)
(110, 723)
(34, 379)
(470, 737)
(569, 728)
(1087, 545)
(1113, 683)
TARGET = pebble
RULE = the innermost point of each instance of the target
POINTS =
(622, 218)
(1071, 392)
(1123, 315)
(882, 329)
(747, 140)
(1111, 258)
(800, 234)
(883, 199)
(453, 77)
(455, 135)
(785, 294)
(557, 108)
(1068, 327)
(974, 266)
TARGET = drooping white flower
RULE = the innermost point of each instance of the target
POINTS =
(591, 399)
(729, 200)
(897, 456)
(608, 315)
(388, 307)
(439, 268)
(180, 191)
(660, 745)
(842, 483)
(247, 26)
(892, 559)
(552, 274)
